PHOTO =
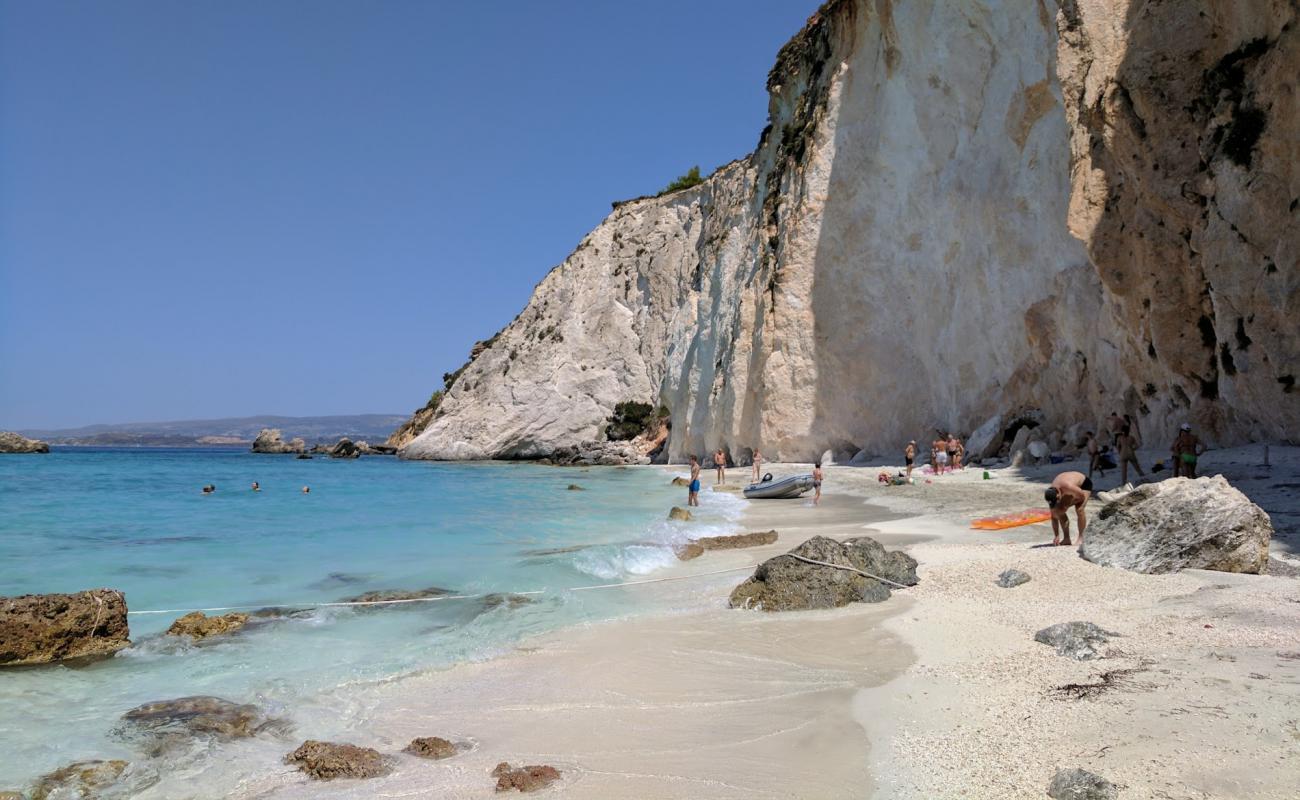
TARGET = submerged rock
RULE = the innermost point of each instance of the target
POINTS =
(679, 481)
(43, 628)
(697, 548)
(270, 440)
(92, 779)
(786, 583)
(391, 595)
(1078, 784)
(198, 625)
(1011, 578)
(1181, 523)
(15, 443)
(199, 716)
(497, 600)
(434, 747)
(680, 514)
(524, 779)
(325, 761)
(573, 487)
(1077, 640)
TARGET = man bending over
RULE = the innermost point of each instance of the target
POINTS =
(1069, 489)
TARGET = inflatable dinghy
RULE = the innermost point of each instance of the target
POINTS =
(768, 489)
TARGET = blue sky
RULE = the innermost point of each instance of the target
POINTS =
(315, 207)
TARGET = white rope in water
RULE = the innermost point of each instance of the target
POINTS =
(485, 594)
(433, 599)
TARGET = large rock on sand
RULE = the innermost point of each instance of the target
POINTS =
(270, 440)
(1181, 523)
(16, 443)
(786, 583)
(43, 628)
(1077, 640)
(325, 761)
(1079, 784)
(198, 625)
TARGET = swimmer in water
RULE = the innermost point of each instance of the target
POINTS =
(209, 489)
(257, 487)
(306, 490)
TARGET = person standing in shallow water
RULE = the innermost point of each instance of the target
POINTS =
(817, 482)
(909, 453)
(720, 462)
(758, 465)
(693, 492)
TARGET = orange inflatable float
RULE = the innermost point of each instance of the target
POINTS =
(1026, 517)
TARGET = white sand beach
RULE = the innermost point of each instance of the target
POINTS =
(938, 692)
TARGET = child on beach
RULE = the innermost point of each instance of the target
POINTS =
(817, 482)
(909, 453)
(693, 492)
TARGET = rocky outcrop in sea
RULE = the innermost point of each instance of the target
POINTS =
(948, 204)
(270, 440)
(16, 443)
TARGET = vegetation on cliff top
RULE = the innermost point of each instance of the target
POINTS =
(631, 419)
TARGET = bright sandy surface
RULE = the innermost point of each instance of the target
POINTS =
(939, 692)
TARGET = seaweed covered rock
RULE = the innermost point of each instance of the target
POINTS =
(167, 722)
(198, 625)
(44, 628)
(791, 582)
(1181, 523)
(524, 779)
(326, 761)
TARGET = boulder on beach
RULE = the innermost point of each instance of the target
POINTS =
(167, 722)
(270, 440)
(1011, 578)
(789, 583)
(198, 625)
(680, 514)
(434, 747)
(1077, 640)
(696, 548)
(1079, 784)
(93, 778)
(524, 779)
(44, 628)
(1181, 523)
(11, 442)
(325, 761)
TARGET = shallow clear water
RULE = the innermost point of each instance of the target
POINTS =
(135, 520)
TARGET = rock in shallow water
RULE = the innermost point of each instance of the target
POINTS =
(93, 779)
(168, 722)
(44, 628)
(198, 625)
(434, 747)
(1078, 784)
(1011, 578)
(325, 761)
(696, 548)
(784, 583)
(1077, 640)
(392, 595)
(1181, 523)
(680, 514)
(525, 779)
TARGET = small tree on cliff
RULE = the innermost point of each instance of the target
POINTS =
(691, 178)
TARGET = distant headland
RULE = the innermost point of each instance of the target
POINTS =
(230, 432)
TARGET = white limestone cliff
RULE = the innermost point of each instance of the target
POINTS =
(897, 255)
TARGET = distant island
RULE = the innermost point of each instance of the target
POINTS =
(230, 432)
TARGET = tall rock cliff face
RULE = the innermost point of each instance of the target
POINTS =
(905, 250)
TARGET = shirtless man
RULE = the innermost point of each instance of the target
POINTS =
(720, 462)
(817, 483)
(1069, 489)
(940, 446)
(693, 492)
(1114, 424)
(1127, 446)
(909, 453)
(758, 465)
(1094, 456)
(1187, 449)
(954, 451)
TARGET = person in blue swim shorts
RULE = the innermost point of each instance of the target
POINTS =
(693, 496)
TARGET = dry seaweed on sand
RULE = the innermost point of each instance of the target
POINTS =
(1121, 679)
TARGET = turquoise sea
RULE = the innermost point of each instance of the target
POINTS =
(135, 520)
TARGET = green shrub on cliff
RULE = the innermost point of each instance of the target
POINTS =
(691, 178)
(631, 419)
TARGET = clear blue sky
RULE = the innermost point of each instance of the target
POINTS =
(312, 207)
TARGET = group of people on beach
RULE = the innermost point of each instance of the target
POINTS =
(720, 466)
(946, 453)
(1126, 436)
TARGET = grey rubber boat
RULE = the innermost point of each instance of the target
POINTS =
(769, 489)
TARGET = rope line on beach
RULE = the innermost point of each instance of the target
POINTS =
(849, 569)
(437, 598)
